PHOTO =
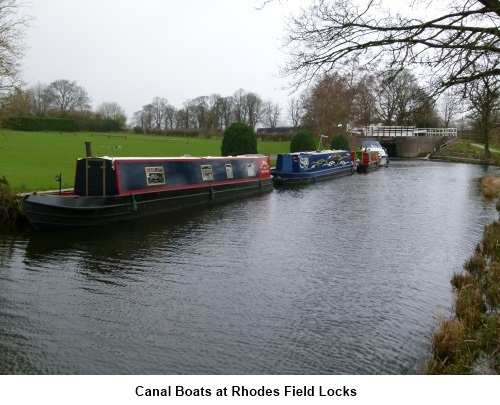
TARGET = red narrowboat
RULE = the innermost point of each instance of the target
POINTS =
(108, 189)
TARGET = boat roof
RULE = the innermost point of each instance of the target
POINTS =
(316, 152)
(371, 142)
(185, 157)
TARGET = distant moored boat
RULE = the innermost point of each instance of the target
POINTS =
(370, 156)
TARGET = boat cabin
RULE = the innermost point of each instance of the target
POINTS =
(105, 176)
(311, 161)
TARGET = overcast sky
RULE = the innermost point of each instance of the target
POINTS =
(130, 51)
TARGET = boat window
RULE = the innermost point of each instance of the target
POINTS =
(207, 173)
(229, 171)
(250, 169)
(155, 176)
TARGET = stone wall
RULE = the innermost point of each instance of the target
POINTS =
(405, 147)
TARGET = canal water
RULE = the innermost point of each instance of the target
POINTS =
(346, 276)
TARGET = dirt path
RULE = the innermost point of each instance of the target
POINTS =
(482, 146)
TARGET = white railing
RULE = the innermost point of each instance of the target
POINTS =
(440, 131)
(395, 131)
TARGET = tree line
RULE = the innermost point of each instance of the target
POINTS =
(66, 99)
(62, 99)
(337, 102)
(212, 113)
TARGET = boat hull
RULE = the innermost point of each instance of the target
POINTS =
(45, 211)
(284, 178)
(383, 161)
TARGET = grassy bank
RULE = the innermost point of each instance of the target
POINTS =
(469, 342)
(8, 204)
(469, 150)
(31, 160)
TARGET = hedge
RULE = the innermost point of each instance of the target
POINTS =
(97, 124)
(40, 124)
(62, 124)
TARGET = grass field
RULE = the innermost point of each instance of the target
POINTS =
(31, 160)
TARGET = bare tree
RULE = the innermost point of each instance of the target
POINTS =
(68, 96)
(253, 108)
(158, 109)
(169, 118)
(331, 104)
(448, 44)
(112, 111)
(182, 119)
(16, 104)
(483, 96)
(215, 107)
(226, 112)
(240, 112)
(271, 113)
(295, 111)
(451, 105)
(41, 99)
(12, 25)
(401, 100)
(145, 118)
(185, 116)
(200, 112)
(323, 106)
(137, 119)
(365, 103)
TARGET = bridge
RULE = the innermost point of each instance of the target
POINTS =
(397, 131)
(405, 141)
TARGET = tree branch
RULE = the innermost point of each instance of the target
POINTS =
(451, 44)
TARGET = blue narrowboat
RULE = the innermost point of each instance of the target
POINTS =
(108, 189)
(307, 167)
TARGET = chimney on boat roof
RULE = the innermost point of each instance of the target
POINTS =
(88, 149)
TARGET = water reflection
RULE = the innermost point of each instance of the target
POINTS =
(343, 276)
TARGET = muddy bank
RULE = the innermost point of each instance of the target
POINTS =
(469, 342)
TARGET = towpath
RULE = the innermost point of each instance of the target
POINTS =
(479, 145)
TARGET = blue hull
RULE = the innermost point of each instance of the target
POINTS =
(310, 167)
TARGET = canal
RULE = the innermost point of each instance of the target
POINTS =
(346, 276)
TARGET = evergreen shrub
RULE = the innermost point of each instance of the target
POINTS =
(340, 142)
(239, 139)
(303, 141)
